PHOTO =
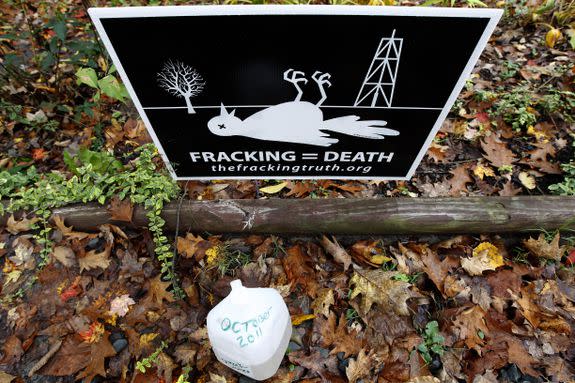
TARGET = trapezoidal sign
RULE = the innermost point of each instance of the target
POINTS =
(350, 92)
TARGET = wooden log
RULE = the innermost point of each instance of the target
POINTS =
(351, 216)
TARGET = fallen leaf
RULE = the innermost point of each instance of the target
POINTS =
(121, 305)
(68, 231)
(22, 252)
(369, 253)
(459, 180)
(378, 286)
(6, 378)
(337, 252)
(121, 210)
(215, 378)
(273, 189)
(322, 303)
(425, 379)
(470, 327)
(360, 367)
(98, 353)
(64, 255)
(297, 265)
(485, 257)
(193, 246)
(93, 260)
(24, 224)
(72, 356)
(496, 151)
(296, 320)
(481, 171)
(552, 37)
(158, 290)
(541, 248)
(527, 180)
(338, 336)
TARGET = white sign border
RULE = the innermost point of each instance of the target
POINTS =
(233, 10)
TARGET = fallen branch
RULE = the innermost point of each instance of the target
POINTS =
(349, 216)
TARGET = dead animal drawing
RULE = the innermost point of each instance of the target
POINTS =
(298, 121)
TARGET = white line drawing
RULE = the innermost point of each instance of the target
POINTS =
(379, 83)
(181, 80)
(297, 121)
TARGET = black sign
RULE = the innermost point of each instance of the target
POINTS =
(293, 91)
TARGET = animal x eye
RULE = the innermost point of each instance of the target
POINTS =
(222, 126)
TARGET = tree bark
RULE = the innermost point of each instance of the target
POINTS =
(350, 216)
(189, 105)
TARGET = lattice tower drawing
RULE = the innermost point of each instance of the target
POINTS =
(379, 83)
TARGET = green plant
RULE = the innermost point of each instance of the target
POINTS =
(229, 260)
(567, 187)
(516, 108)
(108, 85)
(185, 375)
(98, 177)
(101, 162)
(451, 3)
(510, 69)
(410, 278)
(432, 342)
(152, 359)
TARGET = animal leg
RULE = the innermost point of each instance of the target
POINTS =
(295, 77)
(321, 79)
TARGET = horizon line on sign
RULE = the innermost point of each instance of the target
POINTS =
(267, 106)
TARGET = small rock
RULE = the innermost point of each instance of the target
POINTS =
(115, 336)
(120, 344)
(293, 346)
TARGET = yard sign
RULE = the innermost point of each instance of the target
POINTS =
(350, 92)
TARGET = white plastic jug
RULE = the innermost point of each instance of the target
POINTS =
(250, 330)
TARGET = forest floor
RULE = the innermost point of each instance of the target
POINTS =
(123, 304)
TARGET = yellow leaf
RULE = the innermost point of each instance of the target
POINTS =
(485, 257)
(379, 259)
(12, 277)
(495, 259)
(147, 339)
(552, 37)
(482, 171)
(296, 320)
(540, 136)
(6, 378)
(274, 188)
(527, 180)
(212, 255)
(379, 286)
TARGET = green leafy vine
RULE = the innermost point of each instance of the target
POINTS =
(95, 177)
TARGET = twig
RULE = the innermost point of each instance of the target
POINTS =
(39, 364)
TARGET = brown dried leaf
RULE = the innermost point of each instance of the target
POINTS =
(68, 231)
(540, 248)
(15, 227)
(336, 251)
(459, 180)
(297, 266)
(6, 378)
(467, 326)
(158, 290)
(121, 210)
(378, 286)
(99, 351)
(338, 336)
(360, 367)
(322, 303)
(65, 255)
(94, 260)
(73, 355)
(435, 269)
(496, 151)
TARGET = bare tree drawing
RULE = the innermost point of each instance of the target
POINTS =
(181, 80)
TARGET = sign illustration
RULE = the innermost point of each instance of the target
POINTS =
(300, 122)
(227, 92)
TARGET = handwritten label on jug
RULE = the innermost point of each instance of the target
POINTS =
(247, 331)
